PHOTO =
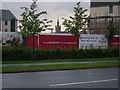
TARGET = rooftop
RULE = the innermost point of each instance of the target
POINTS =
(7, 15)
(99, 4)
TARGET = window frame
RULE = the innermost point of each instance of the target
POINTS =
(6, 30)
(6, 22)
(111, 9)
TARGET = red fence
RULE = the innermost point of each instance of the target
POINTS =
(46, 41)
(55, 40)
(114, 42)
(29, 41)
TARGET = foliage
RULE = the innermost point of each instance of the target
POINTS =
(76, 23)
(25, 54)
(111, 30)
(31, 23)
(13, 42)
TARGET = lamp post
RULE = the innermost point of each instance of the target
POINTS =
(33, 45)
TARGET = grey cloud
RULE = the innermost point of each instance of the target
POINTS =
(54, 9)
(50, 7)
(59, 6)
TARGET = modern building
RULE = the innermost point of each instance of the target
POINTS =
(8, 26)
(101, 14)
(8, 22)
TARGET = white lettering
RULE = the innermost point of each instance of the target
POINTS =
(59, 42)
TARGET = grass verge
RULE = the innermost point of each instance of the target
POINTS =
(32, 68)
(58, 60)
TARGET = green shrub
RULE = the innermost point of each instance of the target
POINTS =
(22, 53)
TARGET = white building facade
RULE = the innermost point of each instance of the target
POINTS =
(101, 13)
(105, 9)
(8, 26)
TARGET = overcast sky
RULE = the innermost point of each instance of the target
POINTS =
(54, 8)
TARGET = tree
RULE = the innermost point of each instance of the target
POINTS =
(31, 23)
(111, 31)
(77, 23)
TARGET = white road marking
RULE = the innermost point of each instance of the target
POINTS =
(93, 73)
(86, 82)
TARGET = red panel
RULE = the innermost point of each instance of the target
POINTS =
(114, 40)
(57, 41)
(29, 41)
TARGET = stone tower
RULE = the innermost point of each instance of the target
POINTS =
(57, 27)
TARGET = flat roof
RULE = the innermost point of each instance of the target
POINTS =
(100, 4)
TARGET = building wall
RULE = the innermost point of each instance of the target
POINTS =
(8, 26)
(104, 11)
(5, 26)
(100, 25)
(15, 26)
(119, 9)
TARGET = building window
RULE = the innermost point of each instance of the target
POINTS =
(6, 23)
(12, 25)
(111, 9)
(5, 30)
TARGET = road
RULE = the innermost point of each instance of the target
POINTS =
(82, 78)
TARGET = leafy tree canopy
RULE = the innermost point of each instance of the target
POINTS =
(31, 23)
(111, 30)
(77, 22)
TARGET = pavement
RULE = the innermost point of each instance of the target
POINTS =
(82, 78)
(49, 63)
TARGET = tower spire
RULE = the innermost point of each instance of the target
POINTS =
(58, 22)
(57, 27)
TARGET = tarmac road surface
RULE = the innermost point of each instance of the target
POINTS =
(82, 78)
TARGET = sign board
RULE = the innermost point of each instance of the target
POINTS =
(89, 41)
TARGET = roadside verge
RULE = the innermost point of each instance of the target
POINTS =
(53, 67)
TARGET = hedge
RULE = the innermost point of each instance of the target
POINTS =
(22, 53)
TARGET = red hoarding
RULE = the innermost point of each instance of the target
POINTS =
(114, 42)
(29, 41)
(46, 41)
(55, 40)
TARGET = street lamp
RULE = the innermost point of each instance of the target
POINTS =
(33, 45)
